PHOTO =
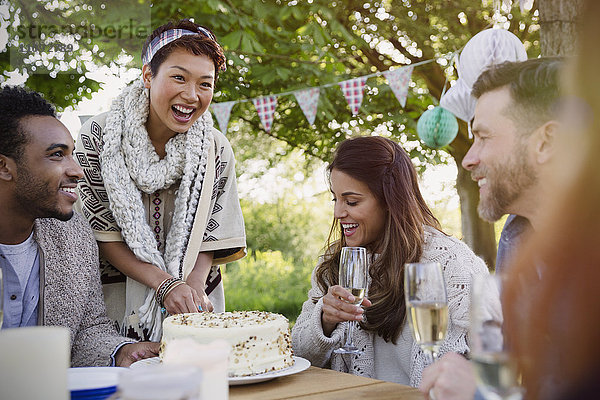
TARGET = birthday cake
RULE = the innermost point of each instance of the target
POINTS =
(260, 341)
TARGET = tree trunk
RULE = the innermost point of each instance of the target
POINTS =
(558, 26)
(478, 234)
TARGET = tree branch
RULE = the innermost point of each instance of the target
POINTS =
(398, 46)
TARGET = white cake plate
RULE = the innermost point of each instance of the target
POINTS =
(300, 364)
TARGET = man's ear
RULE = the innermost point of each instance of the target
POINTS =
(545, 141)
(8, 168)
(146, 75)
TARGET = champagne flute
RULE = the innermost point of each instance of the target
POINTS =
(353, 277)
(427, 305)
(497, 375)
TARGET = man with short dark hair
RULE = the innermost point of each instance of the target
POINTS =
(514, 131)
(48, 255)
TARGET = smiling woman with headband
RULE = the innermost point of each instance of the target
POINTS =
(160, 188)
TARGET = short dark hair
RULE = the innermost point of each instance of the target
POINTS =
(17, 103)
(199, 45)
(533, 86)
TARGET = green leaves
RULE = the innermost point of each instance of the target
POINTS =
(215, 6)
(232, 40)
(277, 46)
(249, 44)
(267, 281)
(285, 13)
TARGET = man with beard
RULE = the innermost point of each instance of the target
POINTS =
(514, 131)
(48, 255)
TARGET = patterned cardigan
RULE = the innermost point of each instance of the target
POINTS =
(70, 290)
(459, 264)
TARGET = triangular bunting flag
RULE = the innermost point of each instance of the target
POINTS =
(222, 111)
(307, 100)
(353, 92)
(398, 80)
(265, 107)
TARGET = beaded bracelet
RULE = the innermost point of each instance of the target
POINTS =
(159, 286)
(171, 287)
(165, 287)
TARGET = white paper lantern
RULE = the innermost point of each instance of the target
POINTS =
(488, 47)
(459, 101)
(526, 5)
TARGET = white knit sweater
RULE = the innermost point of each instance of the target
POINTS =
(459, 263)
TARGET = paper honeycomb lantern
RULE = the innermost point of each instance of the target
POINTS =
(459, 101)
(437, 127)
(488, 47)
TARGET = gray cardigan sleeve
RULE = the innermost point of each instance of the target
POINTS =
(95, 339)
(72, 293)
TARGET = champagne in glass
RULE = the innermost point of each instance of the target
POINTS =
(353, 273)
(497, 375)
(427, 305)
(429, 321)
(358, 293)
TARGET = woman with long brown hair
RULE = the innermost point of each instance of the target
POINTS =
(551, 302)
(378, 205)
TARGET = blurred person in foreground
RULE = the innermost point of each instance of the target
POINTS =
(551, 302)
(513, 159)
(378, 205)
(48, 256)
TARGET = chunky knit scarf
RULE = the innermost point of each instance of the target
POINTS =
(130, 165)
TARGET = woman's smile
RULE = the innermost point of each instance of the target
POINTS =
(349, 229)
(183, 113)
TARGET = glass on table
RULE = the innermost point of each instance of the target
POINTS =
(497, 374)
(353, 276)
(427, 305)
(161, 382)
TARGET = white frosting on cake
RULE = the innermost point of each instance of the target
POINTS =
(260, 341)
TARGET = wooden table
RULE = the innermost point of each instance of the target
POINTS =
(318, 383)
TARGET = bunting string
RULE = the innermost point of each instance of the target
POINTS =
(353, 89)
